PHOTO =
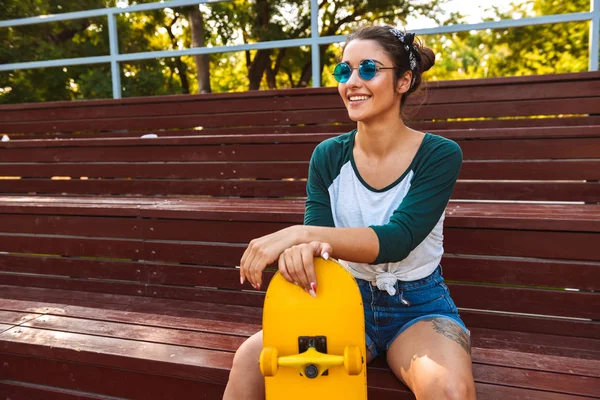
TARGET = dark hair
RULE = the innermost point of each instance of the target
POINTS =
(389, 39)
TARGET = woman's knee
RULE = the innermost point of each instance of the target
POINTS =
(247, 356)
(447, 388)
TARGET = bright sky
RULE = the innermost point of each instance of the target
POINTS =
(474, 11)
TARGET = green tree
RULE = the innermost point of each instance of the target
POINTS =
(528, 50)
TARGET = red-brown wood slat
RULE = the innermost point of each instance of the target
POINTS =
(208, 170)
(554, 217)
(438, 93)
(197, 364)
(218, 318)
(532, 301)
(85, 378)
(456, 269)
(319, 116)
(160, 187)
(157, 153)
(588, 192)
(26, 391)
(515, 170)
(520, 243)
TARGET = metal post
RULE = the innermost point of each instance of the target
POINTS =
(114, 52)
(594, 34)
(314, 34)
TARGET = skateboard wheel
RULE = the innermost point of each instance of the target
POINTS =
(353, 360)
(269, 361)
(311, 371)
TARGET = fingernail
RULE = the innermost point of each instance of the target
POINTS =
(312, 293)
(313, 286)
(326, 256)
(241, 280)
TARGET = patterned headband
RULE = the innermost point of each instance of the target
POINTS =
(407, 40)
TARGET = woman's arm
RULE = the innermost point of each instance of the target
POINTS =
(351, 244)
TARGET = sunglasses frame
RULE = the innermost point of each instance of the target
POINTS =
(362, 64)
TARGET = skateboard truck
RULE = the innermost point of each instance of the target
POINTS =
(313, 362)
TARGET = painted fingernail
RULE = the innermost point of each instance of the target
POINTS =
(312, 293)
(326, 256)
(313, 286)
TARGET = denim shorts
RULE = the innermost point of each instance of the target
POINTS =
(386, 317)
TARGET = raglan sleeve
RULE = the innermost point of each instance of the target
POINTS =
(423, 205)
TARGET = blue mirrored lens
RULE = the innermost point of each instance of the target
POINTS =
(367, 69)
(342, 72)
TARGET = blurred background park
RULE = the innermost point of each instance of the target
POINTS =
(524, 50)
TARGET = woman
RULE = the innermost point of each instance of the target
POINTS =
(376, 199)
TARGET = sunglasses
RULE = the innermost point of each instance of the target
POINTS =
(366, 70)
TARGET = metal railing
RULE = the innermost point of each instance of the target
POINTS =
(313, 41)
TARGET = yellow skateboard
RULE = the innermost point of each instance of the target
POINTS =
(314, 348)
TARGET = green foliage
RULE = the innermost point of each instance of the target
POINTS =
(534, 49)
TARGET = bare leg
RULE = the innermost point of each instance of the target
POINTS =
(433, 358)
(245, 380)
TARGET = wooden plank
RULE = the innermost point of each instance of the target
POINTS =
(15, 317)
(153, 150)
(133, 331)
(212, 187)
(588, 192)
(310, 99)
(27, 391)
(584, 349)
(586, 105)
(533, 324)
(555, 217)
(548, 363)
(478, 297)
(157, 153)
(525, 300)
(465, 190)
(71, 246)
(207, 317)
(72, 225)
(5, 327)
(529, 272)
(518, 170)
(197, 364)
(221, 170)
(533, 132)
(493, 392)
(528, 149)
(518, 243)
(531, 170)
(75, 267)
(188, 293)
(537, 380)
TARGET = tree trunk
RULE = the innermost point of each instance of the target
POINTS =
(181, 66)
(261, 61)
(202, 60)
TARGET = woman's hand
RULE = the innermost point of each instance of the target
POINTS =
(296, 264)
(264, 251)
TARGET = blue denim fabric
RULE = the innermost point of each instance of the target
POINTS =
(386, 317)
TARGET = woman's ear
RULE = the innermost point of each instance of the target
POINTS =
(403, 84)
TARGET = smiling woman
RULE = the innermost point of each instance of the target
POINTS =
(376, 198)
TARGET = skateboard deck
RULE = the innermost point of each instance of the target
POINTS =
(314, 348)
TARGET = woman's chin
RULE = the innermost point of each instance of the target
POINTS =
(358, 117)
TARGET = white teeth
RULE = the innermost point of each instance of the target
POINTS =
(356, 98)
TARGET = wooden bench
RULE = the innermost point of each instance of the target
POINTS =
(121, 281)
